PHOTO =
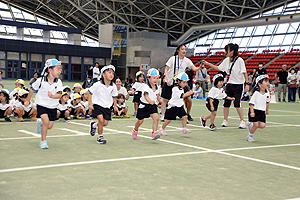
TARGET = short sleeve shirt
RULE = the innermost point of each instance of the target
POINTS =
(237, 72)
(181, 65)
(259, 100)
(176, 98)
(282, 75)
(123, 91)
(103, 95)
(151, 94)
(96, 70)
(216, 93)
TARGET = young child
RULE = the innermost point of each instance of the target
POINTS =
(63, 108)
(76, 89)
(1, 80)
(137, 89)
(85, 103)
(76, 107)
(24, 111)
(122, 108)
(148, 107)
(49, 92)
(197, 91)
(259, 106)
(102, 95)
(5, 108)
(176, 104)
(212, 101)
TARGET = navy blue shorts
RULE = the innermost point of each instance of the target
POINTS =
(137, 96)
(145, 112)
(99, 110)
(215, 104)
(260, 116)
(172, 112)
(51, 112)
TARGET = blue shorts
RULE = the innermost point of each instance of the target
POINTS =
(51, 112)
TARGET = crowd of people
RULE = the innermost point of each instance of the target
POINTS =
(102, 96)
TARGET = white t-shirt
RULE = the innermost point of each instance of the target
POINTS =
(4, 106)
(42, 97)
(122, 106)
(138, 86)
(298, 77)
(74, 106)
(151, 94)
(95, 70)
(176, 98)
(103, 95)
(216, 93)
(181, 65)
(236, 76)
(85, 104)
(19, 104)
(259, 100)
(64, 107)
(122, 91)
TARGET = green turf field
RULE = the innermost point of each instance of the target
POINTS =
(205, 164)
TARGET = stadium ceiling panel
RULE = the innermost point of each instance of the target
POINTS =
(168, 16)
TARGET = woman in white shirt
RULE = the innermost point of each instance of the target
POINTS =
(176, 64)
(234, 66)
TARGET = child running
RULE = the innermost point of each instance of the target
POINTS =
(102, 95)
(148, 107)
(176, 105)
(259, 106)
(5, 108)
(49, 88)
(212, 101)
(137, 90)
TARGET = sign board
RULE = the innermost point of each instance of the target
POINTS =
(144, 67)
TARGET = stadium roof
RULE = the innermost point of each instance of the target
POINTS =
(167, 16)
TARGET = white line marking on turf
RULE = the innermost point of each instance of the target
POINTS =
(78, 132)
(98, 161)
(30, 133)
(145, 129)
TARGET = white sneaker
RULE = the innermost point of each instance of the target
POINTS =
(242, 124)
(162, 118)
(225, 123)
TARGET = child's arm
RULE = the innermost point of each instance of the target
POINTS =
(267, 110)
(27, 101)
(54, 96)
(252, 114)
(115, 103)
(230, 98)
(211, 105)
(148, 99)
(187, 94)
(131, 91)
(91, 107)
(159, 98)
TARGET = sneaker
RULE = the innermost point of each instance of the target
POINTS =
(242, 124)
(33, 118)
(76, 117)
(38, 125)
(203, 122)
(250, 138)
(186, 131)
(155, 135)
(21, 119)
(57, 120)
(212, 127)
(44, 145)
(126, 116)
(7, 119)
(92, 129)
(162, 118)
(134, 133)
(134, 114)
(249, 126)
(114, 116)
(225, 123)
(162, 132)
(66, 119)
(190, 118)
(101, 140)
(88, 116)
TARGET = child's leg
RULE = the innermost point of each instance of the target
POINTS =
(155, 121)
(138, 123)
(58, 114)
(101, 122)
(125, 110)
(136, 106)
(67, 113)
(261, 125)
(165, 124)
(77, 111)
(184, 121)
(45, 124)
(254, 127)
(8, 111)
(213, 116)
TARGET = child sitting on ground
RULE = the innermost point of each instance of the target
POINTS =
(212, 101)
(5, 108)
(122, 108)
(22, 110)
(197, 91)
(85, 103)
(76, 90)
(176, 104)
(76, 106)
(63, 108)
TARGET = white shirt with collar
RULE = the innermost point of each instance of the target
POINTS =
(259, 100)
(216, 93)
(95, 70)
(43, 86)
(103, 95)
(237, 72)
(176, 98)
(152, 94)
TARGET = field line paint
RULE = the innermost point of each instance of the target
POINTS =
(260, 147)
(48, 136)
(98, 161)
(30, 133)
(140, 128)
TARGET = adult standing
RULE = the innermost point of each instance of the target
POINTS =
(202, 78)
(257, 72)
(176, 64)
(34, 78)
(234, 66)
(292, 81)
(281, 78)
(90, 72)
(298, 82)
(96, 72)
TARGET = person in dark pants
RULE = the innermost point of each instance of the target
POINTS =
(281, 78)
(257, 72)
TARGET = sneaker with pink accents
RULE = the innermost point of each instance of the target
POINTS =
(155, 135)
(162, 132)
(134, 133)
(186, 131)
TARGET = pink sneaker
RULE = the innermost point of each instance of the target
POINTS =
(134, 133)
(155, 135)
(162, 132)
(186, 131)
